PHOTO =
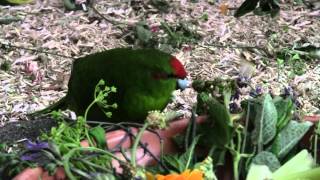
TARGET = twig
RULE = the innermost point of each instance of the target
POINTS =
(232, 46)
(109, 19)
(31, 49)
(122, 151)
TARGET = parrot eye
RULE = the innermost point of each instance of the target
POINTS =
(160, 75)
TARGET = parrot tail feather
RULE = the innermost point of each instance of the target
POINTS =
(61, 104)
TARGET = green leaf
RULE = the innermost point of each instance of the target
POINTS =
(296, 57)
(301, 162)
(161, 5)
(188, 155)
(265, 7)
(69, 5)
(268, 159)
(98, 134)
(311, 174)
(268, 7)
(259, 172)
(183, 32)
(285, 108)
(246, 7)
(289, 137)
(184, 161)
(219, 156)
(143, 32)
(5, 65)
(173, 161)
(264, 122)
(217, 130)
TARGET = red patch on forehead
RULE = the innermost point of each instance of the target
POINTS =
(178, 68)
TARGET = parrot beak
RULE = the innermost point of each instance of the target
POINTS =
(183, 84)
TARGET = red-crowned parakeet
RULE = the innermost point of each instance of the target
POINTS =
(144, 79)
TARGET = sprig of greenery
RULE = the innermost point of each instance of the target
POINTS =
(66, 138)
(100, 98)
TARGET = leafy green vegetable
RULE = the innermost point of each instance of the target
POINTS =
(217, 130)
(299, 163)
(11, 164)
(98, 134)
(162, 5)
(289, 137)
(300, 167)
(259, 172)
(285, 109)
(265, 122)
(267, 158)
(143, 33)
(65, 148)
(184, 161)
(183, 32)
(311, 174)
(5, 65)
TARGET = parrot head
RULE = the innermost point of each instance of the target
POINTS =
(170, 69)
(180, 73)
(178, 69)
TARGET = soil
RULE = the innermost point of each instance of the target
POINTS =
(20, 130)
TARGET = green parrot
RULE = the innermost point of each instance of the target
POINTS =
(144, 78)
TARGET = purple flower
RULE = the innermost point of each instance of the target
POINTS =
(258, 90)
(35, 146)
(234, 107)
(298, 103)
(236, 95)
(288, 91)
(242, 81)
(30, 156)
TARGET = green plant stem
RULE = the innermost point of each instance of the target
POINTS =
(66, 158)
(245, 133)
(85, 118)
(237, 155)
(90, 164)
(315, 144)
(136, 143)
(236, 159)
(260, 138)
(189, 160)
(88, 108)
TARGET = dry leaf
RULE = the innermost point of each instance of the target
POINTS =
(224, 9)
